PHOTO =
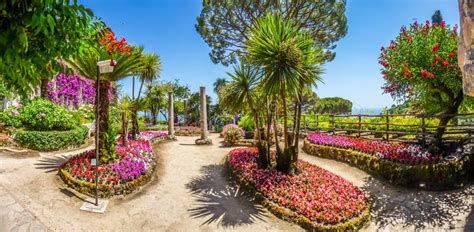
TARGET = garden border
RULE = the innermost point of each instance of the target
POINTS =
(291, 216)
(105, 191)
(52, 136)
(438, 176)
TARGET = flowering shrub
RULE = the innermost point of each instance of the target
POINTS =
(318, 195)
(397, 152)
(73, 90)
(188, 131)
(233, 135)
(44, 115)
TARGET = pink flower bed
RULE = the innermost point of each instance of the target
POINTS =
(134, 161)
(315, 193)
(153, 135)
(396, 152)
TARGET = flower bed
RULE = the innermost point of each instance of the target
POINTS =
(400, 164)
(154, 136)
(133, 169)
(396, 152)
(188, 131)
(315, 198)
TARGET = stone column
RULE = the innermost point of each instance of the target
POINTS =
(203, 119)
(171, 116)
(466, 45)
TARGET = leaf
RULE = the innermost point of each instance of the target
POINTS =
(51, 22)
(23, 39)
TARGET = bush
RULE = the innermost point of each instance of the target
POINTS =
(44, 115)
(247, 123)
(51, 140)
(10, 117)
(233, 135)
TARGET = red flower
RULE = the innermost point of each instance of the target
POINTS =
(424, 73)
(435, 48)
(445, 63)
(437, 59)
(451, 55)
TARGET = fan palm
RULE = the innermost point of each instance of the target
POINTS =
(290, 62)
(218, 84)
(86, 66)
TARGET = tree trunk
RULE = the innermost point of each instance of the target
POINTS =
(104, 102)
(44, 88)
(134, 123)
(284, 156)
(124, 129)
(444, 120)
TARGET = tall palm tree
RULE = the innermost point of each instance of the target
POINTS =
(290, 62)
(125, 105)
(151, 69)
(86, 66)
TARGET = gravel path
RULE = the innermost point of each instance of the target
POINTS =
(190, 193)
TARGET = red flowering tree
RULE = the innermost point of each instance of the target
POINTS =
(420, 66)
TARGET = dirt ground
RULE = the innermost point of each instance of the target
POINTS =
(192, 193)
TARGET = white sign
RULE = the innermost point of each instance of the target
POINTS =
(93, 162)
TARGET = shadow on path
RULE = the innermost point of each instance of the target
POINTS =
(421, 209)
(220, 200)
(50, 164)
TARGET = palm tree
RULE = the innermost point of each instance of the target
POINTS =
(241, 93)
(125, 107)
(218, 84)
(151, 69)
(290, 62)
(126, 65)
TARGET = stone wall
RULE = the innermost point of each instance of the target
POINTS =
(466, 45)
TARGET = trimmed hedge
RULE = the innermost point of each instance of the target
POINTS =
(51, 140)
(438, 176)
(291, 216)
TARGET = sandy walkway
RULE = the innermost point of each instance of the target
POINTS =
(191, 194)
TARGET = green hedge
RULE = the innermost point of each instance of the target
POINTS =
(51, 140)
(439, 176)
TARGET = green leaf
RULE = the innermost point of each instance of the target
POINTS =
(51, 22)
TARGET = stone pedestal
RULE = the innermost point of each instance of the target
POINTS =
(466, 45)
(204, 140)
(171, 116)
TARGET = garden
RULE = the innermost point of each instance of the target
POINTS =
(101, 121)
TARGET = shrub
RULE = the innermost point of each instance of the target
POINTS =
(233, 135)
(247, 123)
(44, 115)
(51, 140)
(227, 127)
(10, 117)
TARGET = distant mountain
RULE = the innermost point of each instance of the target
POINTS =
(375, 110)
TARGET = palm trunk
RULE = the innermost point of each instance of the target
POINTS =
(104, 102)
(124, 129)
(284, 156)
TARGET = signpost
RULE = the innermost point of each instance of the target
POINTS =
(104, 66)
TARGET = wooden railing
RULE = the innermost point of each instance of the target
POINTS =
(415, 128)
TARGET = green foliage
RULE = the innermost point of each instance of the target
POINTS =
(333, 105)
(437, 17)
(51, 140)
(34, 35)
(232, 136)
(44, 115)
(247, 123)
(10, 117)
(226, 26)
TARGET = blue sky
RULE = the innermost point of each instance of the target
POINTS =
(166, 27)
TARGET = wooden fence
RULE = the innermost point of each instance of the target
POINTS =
(419, 128)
